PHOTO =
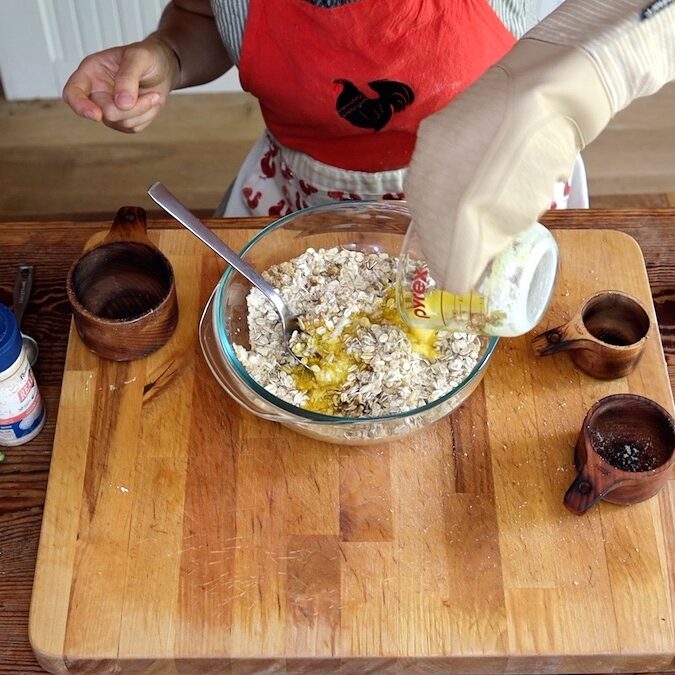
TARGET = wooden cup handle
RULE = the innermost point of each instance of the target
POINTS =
(586, 489)
(129, 225)
(570, 335)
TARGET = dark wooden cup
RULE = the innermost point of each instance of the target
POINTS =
(605, 339)
(624, 452)
(122, 292)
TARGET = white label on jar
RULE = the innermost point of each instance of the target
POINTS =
(21, 408)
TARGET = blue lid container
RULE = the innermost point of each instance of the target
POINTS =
(10, 338)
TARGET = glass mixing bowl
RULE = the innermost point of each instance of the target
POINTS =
(363, 226)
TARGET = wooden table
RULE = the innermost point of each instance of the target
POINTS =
(52, 246)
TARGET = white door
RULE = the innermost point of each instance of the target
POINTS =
(43, 41)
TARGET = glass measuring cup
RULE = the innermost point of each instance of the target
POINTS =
(508, 300)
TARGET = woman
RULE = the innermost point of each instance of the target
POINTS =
(344, 87)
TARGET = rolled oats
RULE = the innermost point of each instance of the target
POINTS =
(363, 359)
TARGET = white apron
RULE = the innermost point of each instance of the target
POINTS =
(275, 181)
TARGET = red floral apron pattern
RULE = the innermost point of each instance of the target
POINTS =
(343, 90)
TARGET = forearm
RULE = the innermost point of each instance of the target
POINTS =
(188, 28)
(484, 167)
(631, 42)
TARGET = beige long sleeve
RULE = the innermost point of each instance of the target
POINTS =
(484, 167)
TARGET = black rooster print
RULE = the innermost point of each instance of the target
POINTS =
(372, 113)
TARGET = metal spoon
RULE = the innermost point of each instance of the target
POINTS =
(289, 319)
(22, 288)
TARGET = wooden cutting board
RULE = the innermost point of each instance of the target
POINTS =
(183, 534)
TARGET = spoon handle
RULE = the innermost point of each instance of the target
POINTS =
(22, 288)
(162, 196)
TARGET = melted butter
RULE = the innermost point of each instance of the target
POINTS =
(422, 340)
(321, 384)
(331, 363)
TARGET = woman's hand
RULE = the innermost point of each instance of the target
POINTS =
(124, 87)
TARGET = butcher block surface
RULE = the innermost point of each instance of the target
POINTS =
(183, 534)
